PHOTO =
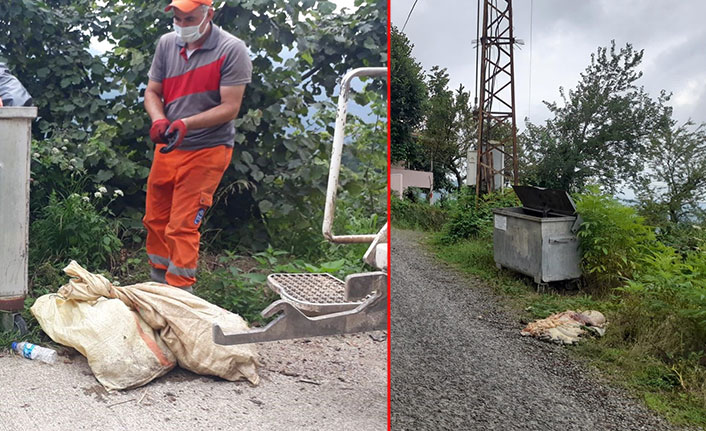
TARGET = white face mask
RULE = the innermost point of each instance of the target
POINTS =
(190, 34)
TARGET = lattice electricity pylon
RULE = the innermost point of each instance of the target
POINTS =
(497, 98)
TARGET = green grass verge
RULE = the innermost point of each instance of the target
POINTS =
(674, 389)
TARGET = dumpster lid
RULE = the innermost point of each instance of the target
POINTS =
(545, 200)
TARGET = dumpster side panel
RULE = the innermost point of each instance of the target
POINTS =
(560, 253)
(516, 242)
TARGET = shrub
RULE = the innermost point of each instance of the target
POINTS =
(468, 220)
(72, 228)
(416, 215)
(668, 296)
(614, 240)
(663, 290)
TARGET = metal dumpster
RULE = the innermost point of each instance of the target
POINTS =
(539, 238)
(15, 139)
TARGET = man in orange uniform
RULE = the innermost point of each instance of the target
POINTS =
(196, 85)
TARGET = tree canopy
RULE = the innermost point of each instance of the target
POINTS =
(673, 187)
(449, 130)
(409, 93)
(600, 134)
(432, 126)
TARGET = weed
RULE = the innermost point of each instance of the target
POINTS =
(470, 217)
(416, 215)
(72, 228)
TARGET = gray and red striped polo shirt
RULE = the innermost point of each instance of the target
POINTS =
(191, 85)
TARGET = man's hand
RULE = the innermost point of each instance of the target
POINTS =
(175, 134)
(158, 131)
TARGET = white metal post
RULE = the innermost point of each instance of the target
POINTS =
(336, 153)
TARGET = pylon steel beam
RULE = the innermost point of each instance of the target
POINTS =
(497, 97)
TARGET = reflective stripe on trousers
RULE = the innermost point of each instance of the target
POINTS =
(180, 189)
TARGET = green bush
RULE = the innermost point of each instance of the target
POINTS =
(614, 240)
(73, 228)
(662, 289)
(668, 296)
(468, 220)
(406, 214)
(684, 237)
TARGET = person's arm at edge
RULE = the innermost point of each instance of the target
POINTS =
(154, 104)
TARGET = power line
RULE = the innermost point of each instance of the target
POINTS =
(477, 50)
(409, 15)
(529, 96)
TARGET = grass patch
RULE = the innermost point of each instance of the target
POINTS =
(662, 387)
(475, 256)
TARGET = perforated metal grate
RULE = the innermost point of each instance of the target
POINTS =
(310, 288)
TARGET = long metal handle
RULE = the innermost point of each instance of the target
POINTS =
(337, 151)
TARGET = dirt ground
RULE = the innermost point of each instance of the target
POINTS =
(334, 383)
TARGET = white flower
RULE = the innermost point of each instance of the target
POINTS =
(98, 194)
(86, 199)
(102, 189)
(35, 155)
(66, 141)
(63, 148)
(118, 192)
(55, 150)
(72, 161)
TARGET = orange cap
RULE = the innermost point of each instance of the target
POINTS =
(187, 5)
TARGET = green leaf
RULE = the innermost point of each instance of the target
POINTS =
(307, 57)
(326, 7)
(265, 206)
(246, 157)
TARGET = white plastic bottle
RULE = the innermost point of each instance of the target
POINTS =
(32, 351)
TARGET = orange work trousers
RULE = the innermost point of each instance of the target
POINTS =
(180, 189)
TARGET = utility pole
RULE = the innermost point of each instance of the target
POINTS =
(497, 99)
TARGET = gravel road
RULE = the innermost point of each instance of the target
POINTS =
(458, 361)
(326, 383)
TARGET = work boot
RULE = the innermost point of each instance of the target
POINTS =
(158, 275)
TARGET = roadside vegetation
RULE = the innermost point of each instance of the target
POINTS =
(91, 151)
(656, 334)
(643, 261)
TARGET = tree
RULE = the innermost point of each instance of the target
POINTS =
(602, 130)
(92, 128)
(449, 130)
(467, 135)
(674, 183)
(409, 93)
(439, 136)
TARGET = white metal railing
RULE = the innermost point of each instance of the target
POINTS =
(336, 153)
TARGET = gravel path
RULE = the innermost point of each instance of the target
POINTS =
(324, 383)
(458, 361)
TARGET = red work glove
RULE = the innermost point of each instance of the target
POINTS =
(157, 131)
(175, 134)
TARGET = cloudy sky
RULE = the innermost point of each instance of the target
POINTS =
(564, 34)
